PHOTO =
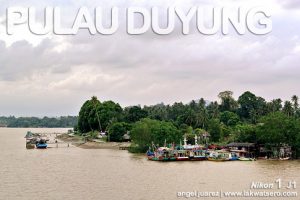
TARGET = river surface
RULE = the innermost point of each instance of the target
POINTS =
(99, 174)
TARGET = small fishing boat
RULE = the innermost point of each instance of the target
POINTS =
(29, 144)
(217, 159)
(198, 155)
(232, 156)
(41, 144)
(285, 158)
(150, 155)
(162, 154)
(182, 155)
(218, 156)
(246, 159)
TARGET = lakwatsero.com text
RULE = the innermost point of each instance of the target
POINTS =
(139, 20)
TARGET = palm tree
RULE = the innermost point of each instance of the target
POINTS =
(288, 108)
(95, 102)
(295, 103)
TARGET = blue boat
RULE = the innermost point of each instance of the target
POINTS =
(41, 144)
(233, 156)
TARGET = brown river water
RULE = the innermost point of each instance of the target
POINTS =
(101, 174)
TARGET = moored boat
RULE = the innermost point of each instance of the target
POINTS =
(232, 156)
(218, 156)
(217, 159)
(285, 158)
(246, 159)
(182, 155)
(29, 144)
(41, 144)
(150, 155)
(162, 154)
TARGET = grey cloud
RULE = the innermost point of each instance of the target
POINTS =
(290, 4)
(61, 72)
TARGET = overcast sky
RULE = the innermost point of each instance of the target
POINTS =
(54, 75)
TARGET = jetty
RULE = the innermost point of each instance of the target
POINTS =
(124, 147)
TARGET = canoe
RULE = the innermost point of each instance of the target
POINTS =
(246, 159)
(287, 158)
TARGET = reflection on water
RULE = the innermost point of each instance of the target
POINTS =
(74, 173)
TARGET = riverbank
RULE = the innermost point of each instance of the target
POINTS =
(80, 142)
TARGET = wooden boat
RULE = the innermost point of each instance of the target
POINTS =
(198, 155)
(29, 145)
(198, 158)
(181, 155)
(190, 153)
(286, 158)
(219, 156)
(246, 159)
(217, 159)
(162, 154)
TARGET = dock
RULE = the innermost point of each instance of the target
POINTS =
(124, 147)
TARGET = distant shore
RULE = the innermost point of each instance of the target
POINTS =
(95, 144)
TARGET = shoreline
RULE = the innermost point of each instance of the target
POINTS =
(95, 144)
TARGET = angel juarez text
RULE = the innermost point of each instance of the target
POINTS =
(139, 20)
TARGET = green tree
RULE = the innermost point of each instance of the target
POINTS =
(274, 106)
(95, 115)
(213, 110)
(228, 103)
(158, 111)
(87, 120)
(117, 130)
(109, 112)
(214, 129)
(245, 133)
(146, 131)
(277, 128)
(247, 103)
(288, 108)
(134, 113)
(295, 100)
(229, 118)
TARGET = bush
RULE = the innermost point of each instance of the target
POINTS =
(146, 131)
(117, 131)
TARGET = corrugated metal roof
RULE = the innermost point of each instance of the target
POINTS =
(237, 144)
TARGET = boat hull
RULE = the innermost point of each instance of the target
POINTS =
(218, 159)
(246, 159)
(162, 159)
(198, 158)
(41, 146)
(182, 158)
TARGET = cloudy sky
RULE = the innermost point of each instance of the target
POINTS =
(53, 75)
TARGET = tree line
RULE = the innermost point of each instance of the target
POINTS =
(35, 122)
(250, 118)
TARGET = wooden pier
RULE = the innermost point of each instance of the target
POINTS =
(123, 147)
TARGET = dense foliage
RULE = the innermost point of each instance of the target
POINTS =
(48, 122)
(250, 118)
(117, 131)
(147, 130)
(95, 115)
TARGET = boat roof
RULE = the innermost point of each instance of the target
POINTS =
(237, 144)
(240, 151)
